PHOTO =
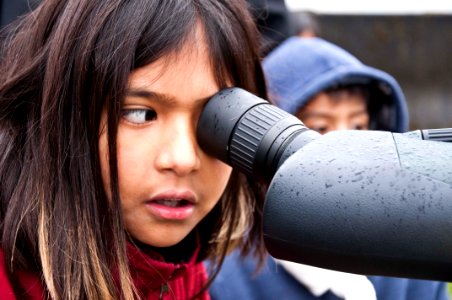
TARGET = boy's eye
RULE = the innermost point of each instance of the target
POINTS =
(320, 129)
(139, 116)
(360, 127)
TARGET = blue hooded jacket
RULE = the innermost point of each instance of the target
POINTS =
(302, 67)
(238, 280)
(297, 70)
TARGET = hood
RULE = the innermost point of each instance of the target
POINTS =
(299, 68)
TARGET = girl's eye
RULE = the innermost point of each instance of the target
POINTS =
(139, 116)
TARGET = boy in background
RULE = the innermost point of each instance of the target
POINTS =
(329, 89)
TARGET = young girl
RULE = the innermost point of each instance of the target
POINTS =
(105, 193)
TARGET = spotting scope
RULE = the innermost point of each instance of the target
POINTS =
(365, 202)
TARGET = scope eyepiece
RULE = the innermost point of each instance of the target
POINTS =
(247, 132)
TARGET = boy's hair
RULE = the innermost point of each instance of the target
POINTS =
(60, 67)
(337, 92)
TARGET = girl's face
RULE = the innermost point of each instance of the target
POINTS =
(167, 183)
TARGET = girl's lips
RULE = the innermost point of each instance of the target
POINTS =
(172, 205)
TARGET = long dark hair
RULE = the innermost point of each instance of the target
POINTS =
(61, 66)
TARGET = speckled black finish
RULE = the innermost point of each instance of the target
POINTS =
(367, 202)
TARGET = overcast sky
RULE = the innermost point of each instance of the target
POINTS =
(372, 7)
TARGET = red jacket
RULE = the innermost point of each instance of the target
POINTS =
(153, 278)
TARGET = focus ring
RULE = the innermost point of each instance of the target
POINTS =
(441, 135)
(249, 133)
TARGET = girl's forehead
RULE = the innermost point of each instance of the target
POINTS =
(183, 78)
(192, 52)
(169, 67)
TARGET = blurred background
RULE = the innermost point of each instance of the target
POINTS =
(411, 41)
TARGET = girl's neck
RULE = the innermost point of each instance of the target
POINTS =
(179, 253)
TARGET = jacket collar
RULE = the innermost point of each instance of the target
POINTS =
(150, 271)
(319, 281)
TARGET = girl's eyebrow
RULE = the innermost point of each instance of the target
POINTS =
(151, 96)
(160, 98)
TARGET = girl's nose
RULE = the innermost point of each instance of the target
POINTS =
(179, 151)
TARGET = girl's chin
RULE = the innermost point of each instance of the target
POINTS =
(160, 234)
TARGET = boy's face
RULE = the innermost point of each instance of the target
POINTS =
(324, 114)
(167, 183)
